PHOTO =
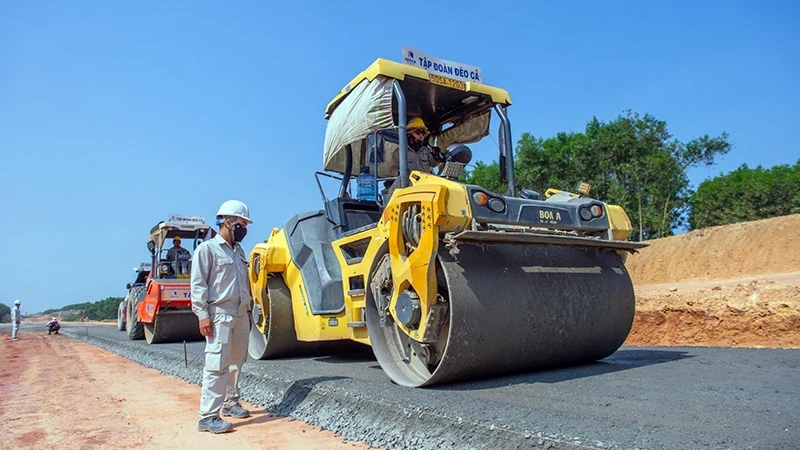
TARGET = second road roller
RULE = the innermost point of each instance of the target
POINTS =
(445, 281)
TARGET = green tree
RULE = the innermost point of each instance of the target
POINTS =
(5, 313)
(632, 161)
(486, 175)
(102, 310)
(746, 194)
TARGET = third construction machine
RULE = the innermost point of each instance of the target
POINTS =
(445, 281)
(135, 290)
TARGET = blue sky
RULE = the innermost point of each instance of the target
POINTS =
(115, 114)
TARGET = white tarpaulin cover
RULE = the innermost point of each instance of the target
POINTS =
(366, 109)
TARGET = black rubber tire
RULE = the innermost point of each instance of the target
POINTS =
(120, 322)
(134, 327)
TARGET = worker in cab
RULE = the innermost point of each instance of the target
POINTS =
(421, 156)
(220, 291)
(172, 256)
(176, 249)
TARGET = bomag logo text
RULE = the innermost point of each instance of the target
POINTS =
(549, 215)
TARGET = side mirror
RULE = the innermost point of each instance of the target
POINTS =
(456, 158)
(151, 246)
(459, 153)
(128, 286)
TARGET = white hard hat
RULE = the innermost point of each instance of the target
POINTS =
(235, 208)
(16, 302)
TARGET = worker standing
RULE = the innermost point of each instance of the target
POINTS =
(221, 300)
(15, 320)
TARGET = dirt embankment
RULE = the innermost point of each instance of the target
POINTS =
(734, 285)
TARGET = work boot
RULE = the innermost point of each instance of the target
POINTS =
(236, 411)
(214, 424)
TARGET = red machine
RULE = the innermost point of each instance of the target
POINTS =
(160, 310)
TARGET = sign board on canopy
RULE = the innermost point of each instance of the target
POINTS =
(179, 218)
(145, 266)
(437, 67)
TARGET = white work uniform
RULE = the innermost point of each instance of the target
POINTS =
(14, 321)
(221, 292)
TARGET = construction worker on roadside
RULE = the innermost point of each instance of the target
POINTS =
(53, 326)
(15, 320)
(221, 300)
(420, 155)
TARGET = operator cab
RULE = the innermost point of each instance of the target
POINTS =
(349, 214)
(169, 263)
(367, 126)
(346, 213)
(142, 272)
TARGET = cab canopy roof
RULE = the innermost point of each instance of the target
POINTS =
(454, 112)
(144, 267)
(187, 227)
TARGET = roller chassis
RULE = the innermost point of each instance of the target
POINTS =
(395, 288)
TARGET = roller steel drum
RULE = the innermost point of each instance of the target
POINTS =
(280, 340)
(514, 308)
(173, 327)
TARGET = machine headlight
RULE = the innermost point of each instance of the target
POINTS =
(586, 214)
(596, 210)
(164, 268)
(497, 205)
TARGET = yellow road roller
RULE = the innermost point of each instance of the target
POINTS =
(445, 281)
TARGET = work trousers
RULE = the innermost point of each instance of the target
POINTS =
(225, 354)
(14, 329)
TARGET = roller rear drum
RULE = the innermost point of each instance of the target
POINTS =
(173, 327)
(280, 339)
